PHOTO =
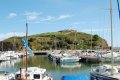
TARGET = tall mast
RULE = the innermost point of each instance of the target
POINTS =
(2, 46)
(26, 47)
(14, 45)
(75, 40)
(55, 41)
(111, 36)
(91, 38)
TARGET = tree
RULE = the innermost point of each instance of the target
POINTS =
(95, 37)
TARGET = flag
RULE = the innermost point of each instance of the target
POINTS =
(25, 43)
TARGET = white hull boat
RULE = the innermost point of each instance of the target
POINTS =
(34, 73)
(69, 59)
(104, 73)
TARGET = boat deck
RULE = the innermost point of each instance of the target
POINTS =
(116, 76)
(89, 58)
(4, 77)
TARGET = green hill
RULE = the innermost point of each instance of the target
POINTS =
(64, 39)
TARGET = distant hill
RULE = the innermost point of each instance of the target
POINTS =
(64, 39)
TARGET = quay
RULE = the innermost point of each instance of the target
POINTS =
(40, 52)
(87, 58)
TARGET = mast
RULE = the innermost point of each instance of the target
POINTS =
(26, 48)
(75, 40)
(2, 46)
(14, 45)
(55, 43)
(112, 61)
(91, 38)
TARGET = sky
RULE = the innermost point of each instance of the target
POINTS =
(89, 16)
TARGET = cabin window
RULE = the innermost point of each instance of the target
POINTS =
(119, 71)
(36, 76)
(108, 70)
(97, 70)
(17, 76)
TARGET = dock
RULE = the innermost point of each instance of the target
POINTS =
(87, 58)
(40, 52)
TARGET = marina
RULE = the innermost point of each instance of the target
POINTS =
(62, 40)
(55, 70)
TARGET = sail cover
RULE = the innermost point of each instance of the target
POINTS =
(75, 77)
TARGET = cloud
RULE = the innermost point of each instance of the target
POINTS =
(61, 17)
(64, 16)
(4, 36)
(32, 16)
(95, 30)
(35, 17)
(48, 18)
(11, 15)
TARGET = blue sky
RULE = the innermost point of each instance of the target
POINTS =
(89, 16)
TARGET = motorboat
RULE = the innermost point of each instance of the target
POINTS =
(103, 72)
(33, 73)
(69, 59)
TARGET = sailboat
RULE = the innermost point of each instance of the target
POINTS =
(10, 55)
(29, 73)
(106, 72)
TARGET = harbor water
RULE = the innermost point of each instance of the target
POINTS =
(55, 70)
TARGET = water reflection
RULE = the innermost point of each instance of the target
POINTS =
(56, 70)
(70, 65)
(9, 66)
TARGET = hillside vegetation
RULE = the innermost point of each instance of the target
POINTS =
(64, 39)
